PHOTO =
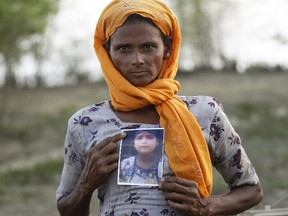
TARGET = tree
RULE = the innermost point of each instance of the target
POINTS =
(19, 21)
(200, 22)
(75, 73)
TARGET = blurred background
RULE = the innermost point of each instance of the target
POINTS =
(236, 51)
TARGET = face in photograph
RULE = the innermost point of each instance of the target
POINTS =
(145, 142)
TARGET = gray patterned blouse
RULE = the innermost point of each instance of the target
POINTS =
(98, 121)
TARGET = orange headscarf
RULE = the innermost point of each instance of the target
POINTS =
(185, 144)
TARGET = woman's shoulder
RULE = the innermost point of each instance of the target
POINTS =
(201, 101)
(203, 107)
(87, 114)
(92, 107)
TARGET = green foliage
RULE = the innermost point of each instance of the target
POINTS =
(262, 67)
(19, 20)
(41, 173)
(200, 22)
(195, 28)
(264, 119)
(73, 58)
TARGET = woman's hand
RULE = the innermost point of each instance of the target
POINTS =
(101, 160)
(182, 194)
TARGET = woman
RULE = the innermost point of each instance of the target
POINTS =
(145, 167)
(137, 43)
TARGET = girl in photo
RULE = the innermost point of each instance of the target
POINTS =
(145, 167)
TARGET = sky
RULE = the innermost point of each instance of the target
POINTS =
(259, 32)
(256, 31)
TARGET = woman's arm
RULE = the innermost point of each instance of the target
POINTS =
(182, 194)
(101, 160)
(76, 203)
(236, 201)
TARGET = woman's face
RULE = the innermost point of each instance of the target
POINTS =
(137, 51)
(145, 142)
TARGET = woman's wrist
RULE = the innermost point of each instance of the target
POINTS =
(210, 209)
(84, 188)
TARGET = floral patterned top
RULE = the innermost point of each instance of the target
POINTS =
(98, 121)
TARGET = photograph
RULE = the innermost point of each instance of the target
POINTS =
(140, 159)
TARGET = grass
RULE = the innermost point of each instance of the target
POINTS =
(30, 190)
(40, 173)
(35, 124)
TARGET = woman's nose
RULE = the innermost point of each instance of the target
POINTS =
(138, 58)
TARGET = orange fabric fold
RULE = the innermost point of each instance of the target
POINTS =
(185, 143)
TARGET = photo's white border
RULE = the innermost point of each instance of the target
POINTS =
(128, 131)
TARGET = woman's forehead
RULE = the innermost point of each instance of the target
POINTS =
(139, 29)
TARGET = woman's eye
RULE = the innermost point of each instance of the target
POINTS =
(123, 48)
(148, 46)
